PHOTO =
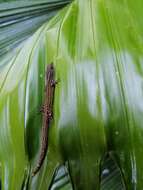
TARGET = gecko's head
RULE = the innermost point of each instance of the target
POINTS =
(50, 70)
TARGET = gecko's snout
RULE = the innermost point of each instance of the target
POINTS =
(50, 69)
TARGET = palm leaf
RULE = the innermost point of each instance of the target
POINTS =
(20, 19)
(97, 54)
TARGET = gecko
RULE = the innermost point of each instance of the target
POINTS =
(47, 113)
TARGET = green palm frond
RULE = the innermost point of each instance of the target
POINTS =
(20, 19)
(111, 177)
(96, 135)
(61, 180)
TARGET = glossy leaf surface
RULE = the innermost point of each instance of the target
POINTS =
(21, 18)
(97, 55)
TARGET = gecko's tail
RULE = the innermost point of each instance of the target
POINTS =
(41, 160)
(35, 170)
(43, 151)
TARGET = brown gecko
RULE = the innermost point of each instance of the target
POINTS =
(47, 111)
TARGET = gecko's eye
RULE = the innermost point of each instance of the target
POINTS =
(51, 66)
